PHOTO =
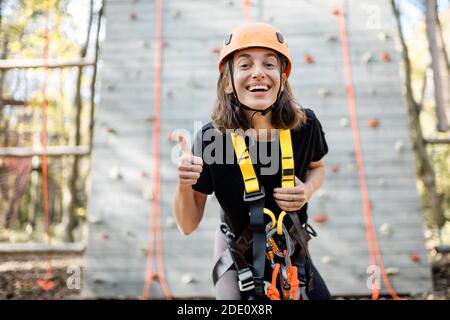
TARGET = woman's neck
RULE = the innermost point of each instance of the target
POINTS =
(261, 124)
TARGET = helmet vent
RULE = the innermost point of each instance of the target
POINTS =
(228, 39)
(280, 37)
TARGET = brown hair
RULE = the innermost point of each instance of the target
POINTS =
(226, 115)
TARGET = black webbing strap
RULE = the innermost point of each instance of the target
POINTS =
(257, 227)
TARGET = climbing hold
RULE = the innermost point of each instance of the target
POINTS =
(170, 222)
(214, 50)
(174, 13)
(399, 146)
(343, 122)
(144, 44)
(334, 168)
(373, 123)
(386, 229)
(382, 36)
(414, 256)
(381, 181)
(104, 236)
(392, 271)
(322, 194)
(114, 173)
(187, 278)
(230, 3)
(142, 252)
(331, 38)
(110, 87)
(98, 280)
(133, 16)
(321, 218)
(385, 57)
(324, 92)
(111, 130)
(367, 58)
(193, 83)
(148, 194)
(169, 93)
(143, 174)
(326, 259)
(130, 233)
(336, 12)
(170, 136)
(371, 91)
(150, 119)
(309, 59)
(95, 219)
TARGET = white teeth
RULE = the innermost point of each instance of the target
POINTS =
(263, 87)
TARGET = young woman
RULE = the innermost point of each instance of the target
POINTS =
(262, 157)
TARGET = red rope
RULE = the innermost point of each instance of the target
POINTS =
(155, 215)
(374, 249)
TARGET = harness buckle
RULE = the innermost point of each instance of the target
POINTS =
(227, 232)
(249, 197)
(245, 281)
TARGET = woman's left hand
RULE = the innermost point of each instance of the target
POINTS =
(292, 198)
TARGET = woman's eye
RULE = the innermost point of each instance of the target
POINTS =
(270, 65)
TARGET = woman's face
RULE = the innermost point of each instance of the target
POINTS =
(256, 77)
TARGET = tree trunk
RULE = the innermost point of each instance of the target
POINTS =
(439, 66)
(424, 169)
(72, 220)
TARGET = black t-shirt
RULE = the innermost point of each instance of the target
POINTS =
(225, 178)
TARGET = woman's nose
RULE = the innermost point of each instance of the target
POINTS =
(258, 71)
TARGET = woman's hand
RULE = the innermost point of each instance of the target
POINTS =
(189, 166)
(292, 198)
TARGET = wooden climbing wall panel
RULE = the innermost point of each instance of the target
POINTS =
(120, 198)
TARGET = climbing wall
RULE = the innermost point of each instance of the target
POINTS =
(121, 188)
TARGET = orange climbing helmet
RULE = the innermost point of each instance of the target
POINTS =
(255, 34)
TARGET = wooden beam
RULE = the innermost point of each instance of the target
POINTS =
(438, 140)
(12, 102)
(55, 151)
(41, 63)
(41, 248)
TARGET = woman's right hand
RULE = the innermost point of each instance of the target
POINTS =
(189, 166)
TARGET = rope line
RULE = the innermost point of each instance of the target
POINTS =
(373, 246)
(155, 214)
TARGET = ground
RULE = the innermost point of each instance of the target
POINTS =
(22, 276)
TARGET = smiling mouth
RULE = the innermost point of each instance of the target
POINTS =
(258, 88)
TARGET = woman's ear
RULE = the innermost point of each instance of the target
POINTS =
(228, 87)
(283, 80)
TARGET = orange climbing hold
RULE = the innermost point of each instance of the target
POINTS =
(309, 59)
(334, 168)
(385, 57)
(414, 257)
(321, 218)
(373, 123)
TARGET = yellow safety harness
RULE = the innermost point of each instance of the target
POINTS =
(252, 187)
(273, 241)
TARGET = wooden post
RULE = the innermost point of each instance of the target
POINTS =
(438, 64)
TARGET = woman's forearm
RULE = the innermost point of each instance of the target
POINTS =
(314, 179)
(187, 212)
